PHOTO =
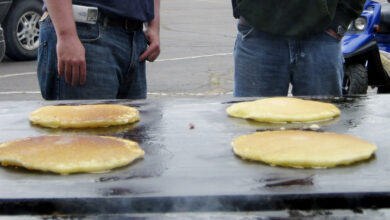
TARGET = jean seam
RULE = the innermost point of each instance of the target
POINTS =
(42, 64)
(132, 58)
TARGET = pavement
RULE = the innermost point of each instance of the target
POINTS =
(197, 39)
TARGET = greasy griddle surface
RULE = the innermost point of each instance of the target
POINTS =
(188, 155)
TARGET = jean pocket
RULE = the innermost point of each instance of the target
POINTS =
(89, 32)
(45, 23)
(244, 29)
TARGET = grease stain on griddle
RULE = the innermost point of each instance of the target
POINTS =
(59, 216)
(286, 182)
(134, 175)
(108, 179)
(345, 100)
(238, 101)
(118, 191)
(352, 123)
(153, 165)
(299, 214)
(139, 135)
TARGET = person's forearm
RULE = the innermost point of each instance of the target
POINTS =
(155, 23)
(70, 51)
(152, 34)
(61, 14)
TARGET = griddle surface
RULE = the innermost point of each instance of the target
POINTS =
(189, 164)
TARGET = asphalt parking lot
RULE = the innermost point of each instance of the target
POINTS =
(197, 38)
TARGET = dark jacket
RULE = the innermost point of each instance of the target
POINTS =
(298, 17)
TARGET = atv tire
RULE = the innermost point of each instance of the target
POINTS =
(355, 79)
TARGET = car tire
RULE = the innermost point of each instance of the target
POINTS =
(21, 29)
(355, 79)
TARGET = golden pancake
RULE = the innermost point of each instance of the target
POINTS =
(302, 149)
(66, 154)
(83, 116)
(284, 109)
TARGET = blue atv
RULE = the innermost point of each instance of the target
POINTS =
(366, 49)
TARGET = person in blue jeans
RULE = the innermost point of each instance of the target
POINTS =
(295, 42)
(98, 60)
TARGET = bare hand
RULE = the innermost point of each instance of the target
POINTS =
(152, 52)
(71, 60)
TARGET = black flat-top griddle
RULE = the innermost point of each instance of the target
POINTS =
(189, 165)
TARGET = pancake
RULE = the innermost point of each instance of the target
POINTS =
(84, 116)
(67, 154)
(302, 149)
(284, 109)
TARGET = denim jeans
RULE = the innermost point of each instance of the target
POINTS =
(113, 69)
(265, 65)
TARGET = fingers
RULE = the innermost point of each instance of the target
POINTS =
(153, 56)
(145, 54)
(83, 73)
(75, 72)
(68, 72)
(151, 53)
(71, 61)
(75, 75)
(154, 52)
(61, 67)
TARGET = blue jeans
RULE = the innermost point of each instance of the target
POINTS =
(113, 69)
(265, 65)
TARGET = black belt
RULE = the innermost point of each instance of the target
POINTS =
(125, 23)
